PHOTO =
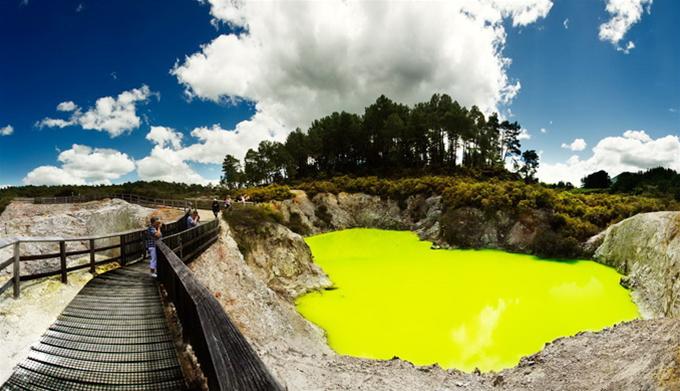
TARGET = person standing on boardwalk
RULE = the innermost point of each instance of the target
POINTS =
(193, 219)
(215, 207)
(153, 233)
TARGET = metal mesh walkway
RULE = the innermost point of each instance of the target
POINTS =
(112, 336)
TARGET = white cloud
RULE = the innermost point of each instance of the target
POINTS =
(51, 176)
(524, 135)
(168, 160)
(624, 14)
(67, 106)
(566, 23)
(112, 115)
(6, 130)
(298, 61)
(165, 164)
(578, 144)
(634, 151)
(82, 164)
(544, 130)
(165, 137)
(626, 49)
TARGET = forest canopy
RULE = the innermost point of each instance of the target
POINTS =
(389, 139)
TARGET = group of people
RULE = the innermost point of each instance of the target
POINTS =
(153, 231)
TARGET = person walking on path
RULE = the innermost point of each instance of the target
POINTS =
(215, 207)
(153, 233)
(193, 219)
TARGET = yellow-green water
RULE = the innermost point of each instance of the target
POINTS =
(461, 309)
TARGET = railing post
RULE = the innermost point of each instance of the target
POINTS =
(179, 239)
(17, 270)
(92, 269)
(122, 250)
(62, 259)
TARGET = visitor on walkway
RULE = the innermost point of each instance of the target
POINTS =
(153, 233)
(215, 207)
(193, 219)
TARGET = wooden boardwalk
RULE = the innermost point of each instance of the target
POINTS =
(112, 336)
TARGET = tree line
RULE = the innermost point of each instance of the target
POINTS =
(658, 182)
(389, 139)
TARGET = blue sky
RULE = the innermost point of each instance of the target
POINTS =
(573, 84)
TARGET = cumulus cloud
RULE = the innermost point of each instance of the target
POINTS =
(300, 60)
(578, 144)
(635, 150)
(83, 165)
(67, 106)
(624, 14)
(524, 135)
(6, 130)
(112, 115)
(544, 130)
(168, 159)
(165, 164)
(165, 137)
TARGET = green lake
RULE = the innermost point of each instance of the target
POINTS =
(462, 309)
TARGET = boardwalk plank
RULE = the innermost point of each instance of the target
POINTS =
(112, 336)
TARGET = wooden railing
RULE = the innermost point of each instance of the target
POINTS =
(132, 198)
(122, 247)
(225, 356)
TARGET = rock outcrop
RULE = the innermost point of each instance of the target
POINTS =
(463, 227)
(646, 248)
(281, 258)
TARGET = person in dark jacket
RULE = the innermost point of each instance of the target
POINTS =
(153, 233)
(215, 207)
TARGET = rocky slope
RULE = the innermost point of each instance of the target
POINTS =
(646, 248)
(640, 355)
(463, 227)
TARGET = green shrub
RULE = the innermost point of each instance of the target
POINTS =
(251, 218)
(264, 193)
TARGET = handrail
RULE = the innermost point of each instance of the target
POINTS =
(225, 356)
(133, 198)
(130, 248)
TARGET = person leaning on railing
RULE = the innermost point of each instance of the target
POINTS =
(153, 233)
(193, 219)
